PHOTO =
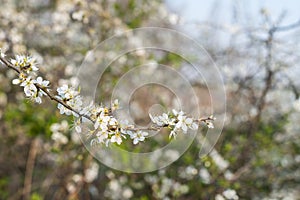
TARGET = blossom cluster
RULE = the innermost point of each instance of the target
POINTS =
(108, 129)
(70, 97)
(105, 127)
(33, 85)
(176, 121)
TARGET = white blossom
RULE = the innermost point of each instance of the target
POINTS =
(37, 96)
(102, 136)
(2, 54)
(39, 80)
(176, 113)
(29, 87)
(210, 125)
(138, 136)
(161, 120)
(71, 98)
(123, 125)
(176, 122)
(63, 110)
(25, 63)
(102, 122)
(184, 123)
(16, 81)
(67, 93)
(78, 129)
(113, 121)
(76, 104)
(89, 111)
(155, 120)
(22, 78)
(173, 133)
(77, 126)
(62, 90)
(117, 138)
(115, 105)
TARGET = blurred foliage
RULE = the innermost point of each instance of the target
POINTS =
(20, 117)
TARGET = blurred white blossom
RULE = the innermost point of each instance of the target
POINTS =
(230, 194)
(91, 173)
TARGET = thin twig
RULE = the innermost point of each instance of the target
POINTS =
(29, 168)
(285, 28)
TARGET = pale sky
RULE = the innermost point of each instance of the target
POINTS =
(222, 10)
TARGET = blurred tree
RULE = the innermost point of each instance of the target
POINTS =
(257, 155)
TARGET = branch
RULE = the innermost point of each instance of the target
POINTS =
(106, 126)
(157, 128)
(49, 95)
(240, 172)
(293, 86)
(9, 64)
(285, 28)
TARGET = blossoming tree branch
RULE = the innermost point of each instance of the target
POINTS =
(105, 128)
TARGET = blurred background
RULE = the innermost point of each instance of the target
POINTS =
(255, 45)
